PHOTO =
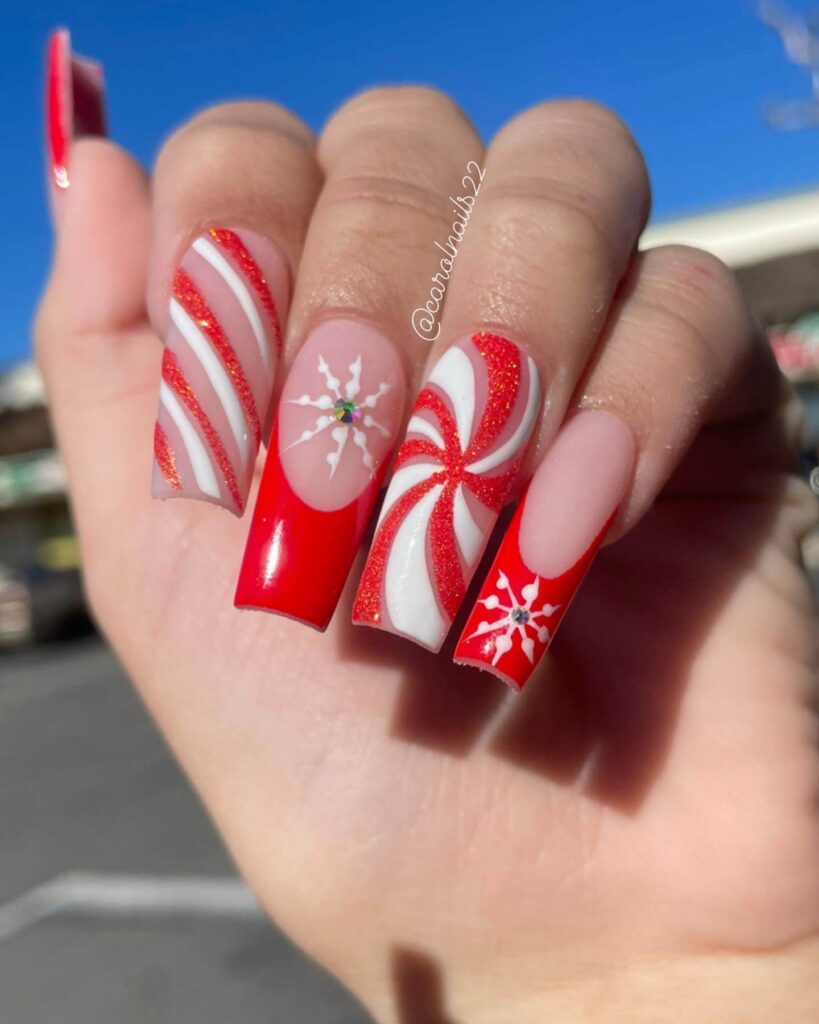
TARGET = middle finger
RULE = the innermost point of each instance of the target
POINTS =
(391, 158)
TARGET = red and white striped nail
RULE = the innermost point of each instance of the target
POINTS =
(228, 300)
(75, 102)
(453, 474)
(336, 426)
(550, 544)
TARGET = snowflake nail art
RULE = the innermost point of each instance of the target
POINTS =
(343, 414)
(516, 618)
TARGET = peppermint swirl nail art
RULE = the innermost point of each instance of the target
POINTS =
(453, 474)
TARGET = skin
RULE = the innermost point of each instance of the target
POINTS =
(636, 837)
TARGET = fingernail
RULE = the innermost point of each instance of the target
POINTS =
(336, 426)
(550, 544)
(75, 102)
(228, 299)
(452, 476)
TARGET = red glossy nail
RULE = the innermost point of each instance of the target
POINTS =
(337, 420)
(75, 102)
(549, 546)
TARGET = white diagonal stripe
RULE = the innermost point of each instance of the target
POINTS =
(408, 588)
(402, 480)
(418, 425)
(467, 531)
(455, 375)
(199, 459)
(215, 371)
(208, 251)
(519, 437)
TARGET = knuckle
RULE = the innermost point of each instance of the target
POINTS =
(550, 217)
(218, 131)
(583, 119)
(410, 103)
(374, 200)
(697, 284)
(261, 115)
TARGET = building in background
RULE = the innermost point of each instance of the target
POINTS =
(40, 592)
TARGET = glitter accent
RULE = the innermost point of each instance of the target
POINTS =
(503, 368)
(194, 304)
(175, 379)
(238, 251)
(503, 364)
(520, 615)
(165, 458)
(368, 598)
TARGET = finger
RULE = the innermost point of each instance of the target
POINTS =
(391, 157)
(678, 343)
(563, 198)
(233, 193)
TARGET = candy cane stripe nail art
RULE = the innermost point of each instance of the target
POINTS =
(222, 346)
(453, 474)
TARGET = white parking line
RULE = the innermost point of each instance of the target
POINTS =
(82, 894)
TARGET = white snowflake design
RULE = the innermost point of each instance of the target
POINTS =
(517, 617)
(345, 414)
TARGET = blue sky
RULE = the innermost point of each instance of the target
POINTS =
(689, 77)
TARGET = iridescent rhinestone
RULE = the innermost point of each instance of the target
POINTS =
(520, 615)
(346, 411)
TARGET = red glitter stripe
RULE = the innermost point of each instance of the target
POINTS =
(503, 368)
(493, 491)
(367, 607)
(236, 248)
(446, 560)
(165, 458)
(194, 304)
(434, 403)
(175, 378)
(415, 447)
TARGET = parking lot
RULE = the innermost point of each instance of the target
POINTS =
(141, 918)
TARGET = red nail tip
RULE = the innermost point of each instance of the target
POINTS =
(75, 102)
(340, 409)
(298, 557)
(517, 613)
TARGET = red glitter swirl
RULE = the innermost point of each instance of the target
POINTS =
(175, 379)
(194, 304)
(165, 458)
(503, 370)
(367, 607)
(238, 251)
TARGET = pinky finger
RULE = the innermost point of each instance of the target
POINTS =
(681, 374)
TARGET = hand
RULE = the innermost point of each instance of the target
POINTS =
(636, 836)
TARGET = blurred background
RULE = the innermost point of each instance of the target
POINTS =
(117, 902)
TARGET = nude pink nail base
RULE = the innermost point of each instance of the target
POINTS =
(228, 299)
(549, 546)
